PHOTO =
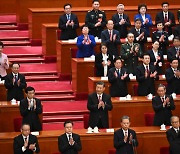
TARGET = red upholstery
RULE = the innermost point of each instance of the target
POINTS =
(17, 124)
(112, 151)
(149, 118)
(164, 150)
(86, 120)
(135, 87)
(58, 34)
(73, 52)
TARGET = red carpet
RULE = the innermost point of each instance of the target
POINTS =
(23, 51)
(51, 85)
(13, 34)
(64, 106)
(8, 18)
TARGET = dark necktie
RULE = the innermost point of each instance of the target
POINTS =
(138, 31)
(165, 18)
(69, 137)
(16, 79)
(118, 72)
(68, 17)
(162, 99)
(120, 16)
(147, 69)
(99, 98)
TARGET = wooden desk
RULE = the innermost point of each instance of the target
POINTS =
(38, 16)
(8, 113)
(3, 93)
(49, 38)
(135, 109)
(64, 56)
(150, 140)
(92, 84)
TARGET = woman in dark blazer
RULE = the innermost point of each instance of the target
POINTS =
(156, 57)
(103, 61)
(145, 18)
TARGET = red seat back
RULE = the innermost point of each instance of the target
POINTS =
(73, 52)
(17, 124)
(164, 150)
(135, 88)
(86, 120)
(149, 118)
(112, 151)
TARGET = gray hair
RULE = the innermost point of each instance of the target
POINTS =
(120, 5)
(173, 118)
(125, 117)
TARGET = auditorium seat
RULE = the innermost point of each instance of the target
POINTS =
(86, 120)
(149, 118)
(135, 88)
(17, 124)
(164, 150)
(58, 34)
(112, 151)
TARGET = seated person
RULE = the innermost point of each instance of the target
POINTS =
(174, 52)
(163, 105)
(15, 83)
(111, 37)
(121, 21)
(103, 61)
(140, 35)
(4, 63)
(118, 77)
(125, 140)
(145, 76)
(173, 136)
(99, 104)
(173, 78)
(161, 36)
(156, 57)
(177, 28)
(85, 44)
(166, 17)
(145, 18)
(69, 142)
(68, 23)
(30, 108)
(26, 143)
(131, 54)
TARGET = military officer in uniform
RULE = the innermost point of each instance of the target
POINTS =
(131, 53)
(95, 20)
(161, 36)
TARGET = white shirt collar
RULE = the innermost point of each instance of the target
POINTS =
(125, 131)
(145, 66)
(68, 135)
(15, 74)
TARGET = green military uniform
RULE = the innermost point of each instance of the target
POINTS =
(92, 17)
(130, 59)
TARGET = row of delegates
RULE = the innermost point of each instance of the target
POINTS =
(96, 20)
(4, 63)
(85, 43)
(15, 83)
(174, 52)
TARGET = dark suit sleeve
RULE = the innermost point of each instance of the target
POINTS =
(62, 24)
(76, 22)
(172, 105)
(135, 141)
(63, 146)
(23, 108)
(77, 144)
(38, 109)
(37, 145)
(156, 105)
(108, 104)
(127, 23)
(139, 76)
(125, 54)
(17, 148)
(8, 82)
(111, 76)
(118, 141)
(104, 21)
(169, 76)
(91, 105)
(87, 22)
(170, 137)
(22, 82)
(98, 62)
(103, 37)
(172, 18)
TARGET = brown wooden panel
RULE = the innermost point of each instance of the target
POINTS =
(3, 95)
(38, 16)
(7, 7)
(150, 140)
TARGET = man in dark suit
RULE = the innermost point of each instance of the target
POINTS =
(69, 142)
(15, 83)
(145, 76)
(161, 36)
(163, 105)
(174, 52)
(25, 143)
(103, 61)
(30, 108)
(99, 104)
(112, 38)
(131, 54)
(95, 19)
(118, 77)
(121, 21)
(125, 140)
(173, 136)
(68, 23)
(166, 17)
(140, 35)
(177, 28)
(173, 78)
